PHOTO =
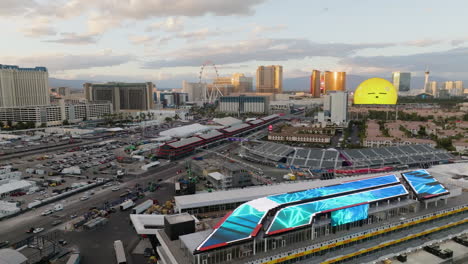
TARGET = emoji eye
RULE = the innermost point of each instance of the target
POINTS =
(370, 93)
(382, 93)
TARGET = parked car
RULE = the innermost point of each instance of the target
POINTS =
(116, 188)
(56, 222)
(38, 230)
(4, 244)
(47, 212)
(84, 198)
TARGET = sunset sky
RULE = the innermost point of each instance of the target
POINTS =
(166, 39)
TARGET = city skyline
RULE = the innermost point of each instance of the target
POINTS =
(158, 43)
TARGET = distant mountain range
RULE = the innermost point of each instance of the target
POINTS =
(289, 84)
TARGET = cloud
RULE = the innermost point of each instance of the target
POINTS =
(262, 29)
(39, 31)
(199, 34)
(458, 42)
(141, 40)
(143, 9)
(453, 60)
(75, 39)
(38, 27)
(190, 36)
(99, 24)
(62, 62)
(15, 7)
(257, 49)
(171, 24)
(423, 42)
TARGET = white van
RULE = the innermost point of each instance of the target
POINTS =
(58, 207)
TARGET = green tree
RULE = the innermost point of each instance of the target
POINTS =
(445, 143)
(30, 124)
(20, 125)
(465, 117)
(168, 119)
(422, 131)
(65, 122)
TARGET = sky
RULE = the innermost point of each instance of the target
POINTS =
(161, 40)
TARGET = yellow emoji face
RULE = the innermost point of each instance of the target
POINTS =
(376, 91)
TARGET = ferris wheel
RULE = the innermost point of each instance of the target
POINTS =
(210, 92)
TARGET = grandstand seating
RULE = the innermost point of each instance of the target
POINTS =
(357, 158)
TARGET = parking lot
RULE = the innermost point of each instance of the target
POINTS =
(60, 171)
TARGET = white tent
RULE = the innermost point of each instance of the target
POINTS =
(185, 131)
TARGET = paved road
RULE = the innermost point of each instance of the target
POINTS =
(355, 135)
(14, 229)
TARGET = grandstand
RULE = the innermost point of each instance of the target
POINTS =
(327, 159)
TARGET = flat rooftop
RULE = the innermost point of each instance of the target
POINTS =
(185, 142)
(251, 193)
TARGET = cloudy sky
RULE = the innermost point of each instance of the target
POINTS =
(159, 40)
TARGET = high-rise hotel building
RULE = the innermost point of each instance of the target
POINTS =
(270, 79)
(23, 86)
(334, 81)
(401, 81)
(123, 96)
(315, 84)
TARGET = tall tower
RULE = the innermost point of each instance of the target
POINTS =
(426, 82)
(315, 84)
(270, 79)
(402, 81)
(334, 81)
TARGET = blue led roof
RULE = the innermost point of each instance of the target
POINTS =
(239, 225)
(334, 189)
(349, 215)
(245, 220)
(423, 184)
(299, 215)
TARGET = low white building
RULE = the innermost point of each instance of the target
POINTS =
(72, 170)
(7, 208)
(7, 177)
(219, 180)
(14, 186)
